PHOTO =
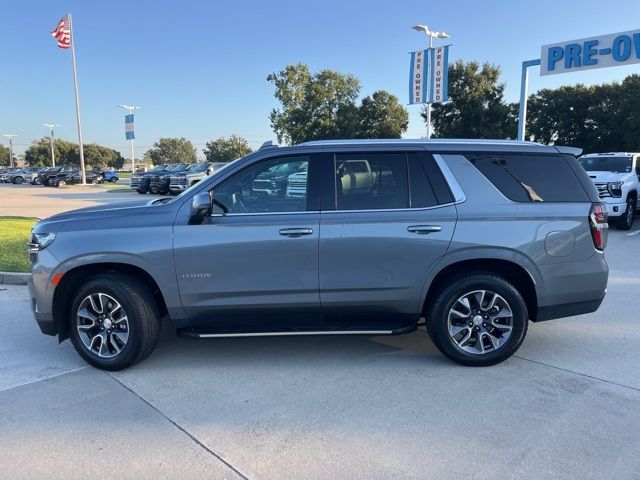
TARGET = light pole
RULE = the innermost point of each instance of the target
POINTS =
(51, 126)
(131, 108)
(10, 136)
(431, 34)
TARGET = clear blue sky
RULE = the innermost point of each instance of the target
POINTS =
(198, 68)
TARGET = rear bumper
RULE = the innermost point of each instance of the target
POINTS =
(572, 288)
(567, 310)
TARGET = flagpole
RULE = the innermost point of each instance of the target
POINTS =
(75, 86)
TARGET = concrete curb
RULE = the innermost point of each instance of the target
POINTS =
(14, 278)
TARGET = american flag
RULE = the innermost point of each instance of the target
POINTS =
(62, 33)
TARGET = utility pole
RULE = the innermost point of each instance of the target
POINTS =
(10, 136)
(51, 126)
(131, 108)
(431, 34)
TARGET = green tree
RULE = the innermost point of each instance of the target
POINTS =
(4, 156)
(97, 156)
(477, 109)
(39, 153)
(382, 116)
(599, 118)
(171, 150)
(319, 106)
(226, 149)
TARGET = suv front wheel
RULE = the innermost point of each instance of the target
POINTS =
(625, 222)
(114, 321)
(478, 320)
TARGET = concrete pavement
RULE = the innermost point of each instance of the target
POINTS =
(38, 201)
(332, 407)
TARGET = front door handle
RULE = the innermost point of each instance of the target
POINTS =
(424, 229)
(296, 232)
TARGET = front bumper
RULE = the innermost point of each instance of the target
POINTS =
(177, 187)
(41, 291)
(615, 207)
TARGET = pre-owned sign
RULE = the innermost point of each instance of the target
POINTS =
(588, 53)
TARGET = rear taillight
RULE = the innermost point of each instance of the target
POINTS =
(598, 225)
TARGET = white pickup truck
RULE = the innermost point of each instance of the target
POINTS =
(617, 178)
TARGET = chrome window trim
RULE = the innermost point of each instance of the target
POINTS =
(252, 214)
(456, 189)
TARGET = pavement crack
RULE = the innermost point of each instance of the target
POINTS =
(181, 428)
(566, 370)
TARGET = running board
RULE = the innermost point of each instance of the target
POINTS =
(205, 334)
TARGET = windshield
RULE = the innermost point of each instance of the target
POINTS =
(606, 164)
(199, 167)
(177, 168)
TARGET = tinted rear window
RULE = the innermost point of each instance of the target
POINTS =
(531, 178)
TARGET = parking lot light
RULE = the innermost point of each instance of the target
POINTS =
(131, 108)
(431, 34)
(51, 126)
(10, 136)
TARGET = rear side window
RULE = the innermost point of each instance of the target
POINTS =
(371, 181)
(531, 178)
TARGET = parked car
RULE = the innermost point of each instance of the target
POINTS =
(617, 178)
(297, 184)
(51, 176)
(159, 182)
(140, 181)
(111, 177)
(4, 174)
(273, 182)
(75, 178)
(182, 180)
(476, 237)
(23, 175)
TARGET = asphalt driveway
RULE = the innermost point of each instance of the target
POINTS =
(331, 407)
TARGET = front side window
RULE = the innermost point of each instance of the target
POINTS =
(273, 186)
(371, 181)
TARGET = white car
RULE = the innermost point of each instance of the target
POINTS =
(617, 178)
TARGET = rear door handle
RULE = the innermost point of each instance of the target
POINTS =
(424, 229)
(296, 232)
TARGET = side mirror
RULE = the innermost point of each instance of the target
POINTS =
(201, 204)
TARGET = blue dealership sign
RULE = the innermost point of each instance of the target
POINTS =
(128, 127)
(588, 53)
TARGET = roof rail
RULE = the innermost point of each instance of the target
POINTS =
(268, 144)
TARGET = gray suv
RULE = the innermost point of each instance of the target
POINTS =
(475, 237)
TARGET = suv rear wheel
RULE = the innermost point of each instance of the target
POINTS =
(478, 320)
(114, 321)
(625, 222)
(18, 180)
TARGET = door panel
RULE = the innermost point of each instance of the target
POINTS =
(375, 263)
(242, 266)
(253, 263)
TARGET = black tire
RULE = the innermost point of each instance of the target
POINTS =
(37, 181)
(437, 319)
(141, 191)
(625, 222)
(60, 184)
(113, 180)
(143, 319)
(18, 180)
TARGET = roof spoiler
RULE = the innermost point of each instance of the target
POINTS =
(576, 152)
(268, 144)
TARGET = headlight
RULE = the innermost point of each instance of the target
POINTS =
(615, 188)
(40, 241)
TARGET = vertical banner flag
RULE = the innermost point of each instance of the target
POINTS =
(418, 77)
(438, 91)
(128, 127)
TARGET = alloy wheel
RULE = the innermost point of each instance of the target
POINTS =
(480, 322)
(103, 326)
